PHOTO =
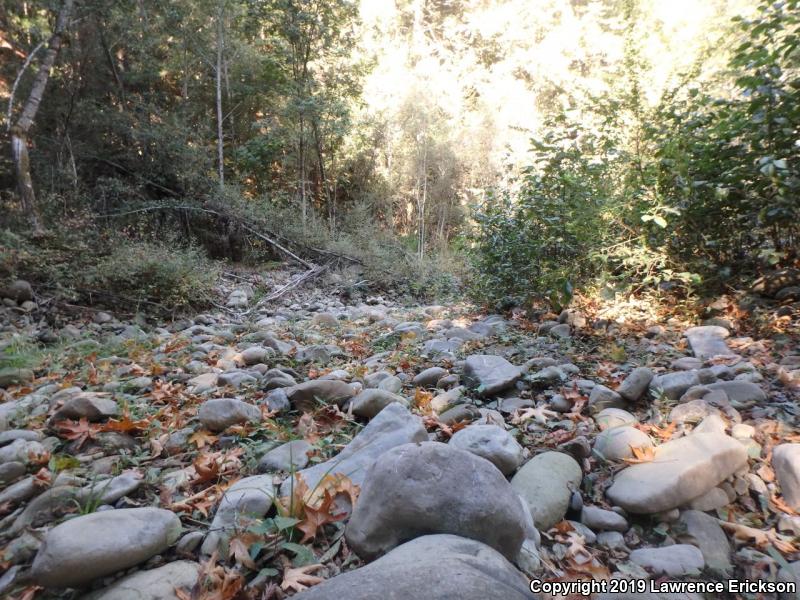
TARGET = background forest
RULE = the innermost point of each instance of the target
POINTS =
(519, 148)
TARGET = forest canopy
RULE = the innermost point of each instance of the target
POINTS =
(521, 148)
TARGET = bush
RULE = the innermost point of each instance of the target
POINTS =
(169, 275)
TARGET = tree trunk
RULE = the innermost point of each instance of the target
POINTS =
(220, 50)
(21, 129)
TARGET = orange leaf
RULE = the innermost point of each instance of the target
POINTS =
(641, 455)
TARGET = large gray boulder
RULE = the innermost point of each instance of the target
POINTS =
(681, 471)
(489, 374)
(154, 584)
(491, 442)
(393, 426)
(419, 489)
(311, 395)
(99, 544)
(546, 483)
(432, 567)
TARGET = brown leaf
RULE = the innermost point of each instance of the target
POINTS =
(318, 516)
(81, 431)
(300, 578)
(202, 438)
(239, 550)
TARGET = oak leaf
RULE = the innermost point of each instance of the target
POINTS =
(300, 578)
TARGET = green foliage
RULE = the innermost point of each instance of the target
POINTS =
(697, 189)
(165, 274)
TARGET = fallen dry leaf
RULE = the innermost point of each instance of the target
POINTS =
(300, 578)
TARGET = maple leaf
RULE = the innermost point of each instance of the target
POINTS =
(300, 578)
(164, 391)
(539, 414)
(318, 516)
(642, 454)
(126, 424)
(202, 438)
(81, 431)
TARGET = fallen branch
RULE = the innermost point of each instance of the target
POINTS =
(238, 220)
(307, 276)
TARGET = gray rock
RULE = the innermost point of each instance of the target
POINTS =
(489, 374)
(547, 377)
(256, 355)
(22, 451)
(220, 413)
(602, 398)
(318, 353)
(311, 395)
(618, 443)
(391, 384)
(609, 418)
(99, 544)
(251, 497)
(687, 363)
(675, 561)
(546, 483)
(429, 377)
(291, 456)
(562, 331)
(613, 540)
(372, 401)
(10, 471)
(13, 376)
(711, 424)
(712, 500)
(393, 426)
(786, 462)
(491, 442)
(19, 290)
(154, 584)
(790, 574)
(93, 406)
(702, 530)
(420, 489)
(635, 384)
(683, 469)
(277, 400)
(236, 379)
(599, 519)
(708, 341)
(674, 385)
(742, 394)
(432, 567)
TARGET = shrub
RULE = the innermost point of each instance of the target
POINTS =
(169, 275)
